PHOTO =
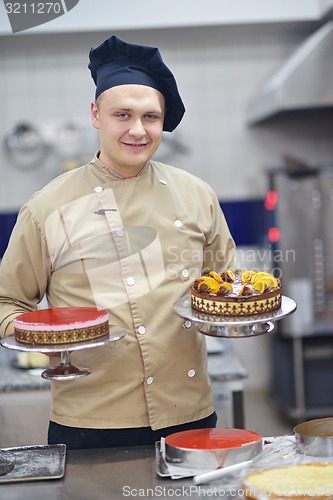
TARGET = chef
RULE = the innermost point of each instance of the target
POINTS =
(128, 234)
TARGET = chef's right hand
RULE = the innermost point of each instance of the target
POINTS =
(10, 329)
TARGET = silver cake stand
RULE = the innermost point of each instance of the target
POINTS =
(236, 327)
(65, 370)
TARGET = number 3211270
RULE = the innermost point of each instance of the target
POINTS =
(33, 8)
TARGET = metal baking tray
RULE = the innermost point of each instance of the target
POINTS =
(33, 463)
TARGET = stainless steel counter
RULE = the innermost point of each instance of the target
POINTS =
(109, 474)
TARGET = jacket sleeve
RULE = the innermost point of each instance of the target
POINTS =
(25, 269)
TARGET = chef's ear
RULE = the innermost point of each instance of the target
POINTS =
(94, 111)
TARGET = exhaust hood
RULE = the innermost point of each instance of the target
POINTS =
(304, 81)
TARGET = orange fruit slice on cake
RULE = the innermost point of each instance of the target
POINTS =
(246, 276)
(231, 275)
(267, 278)
(216, 276)
(211, 282)
(260, 286)
(226, 285)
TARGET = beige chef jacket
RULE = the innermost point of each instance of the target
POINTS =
(132, 246)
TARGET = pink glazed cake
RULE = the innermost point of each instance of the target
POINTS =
(63, 325)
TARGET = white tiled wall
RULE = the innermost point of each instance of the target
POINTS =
(45, 80)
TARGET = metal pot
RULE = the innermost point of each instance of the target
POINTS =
(24, 146)
(315, 437)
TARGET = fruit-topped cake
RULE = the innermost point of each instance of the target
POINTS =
(63, 325)
(246, 293)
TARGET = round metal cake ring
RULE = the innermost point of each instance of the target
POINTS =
(211, 448)
(315, 437)
(234, 330)
(232, 327)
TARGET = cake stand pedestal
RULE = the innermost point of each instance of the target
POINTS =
(65, 370)
(235, 327)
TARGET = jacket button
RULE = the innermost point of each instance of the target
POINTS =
(185, 273)
(191, 373)
(150, 380)
(178, 223)
(120, 233)
(130, 281)
(141, 330)
(98, 189)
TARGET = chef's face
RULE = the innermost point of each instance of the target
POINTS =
(130, 123)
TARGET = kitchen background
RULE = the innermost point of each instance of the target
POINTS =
(222, 55)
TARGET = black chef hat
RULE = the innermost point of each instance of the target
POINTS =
(116, 62)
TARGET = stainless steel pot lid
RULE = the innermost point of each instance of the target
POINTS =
(315, 437)
(24, 146)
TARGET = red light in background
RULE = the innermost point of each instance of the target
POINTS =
(271, 200)
(273, 234)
